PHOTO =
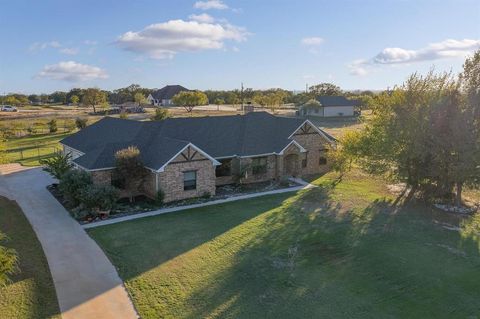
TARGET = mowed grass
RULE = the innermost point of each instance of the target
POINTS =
(31, 293)
(338, 251)
(28, 150)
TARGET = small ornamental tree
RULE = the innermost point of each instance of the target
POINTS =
(57, 165)
(130, 170)
(140, 98)
(190, 99)
(8, 262)
(52, 126)
(74, 99)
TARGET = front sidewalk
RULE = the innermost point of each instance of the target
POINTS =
(304, 185)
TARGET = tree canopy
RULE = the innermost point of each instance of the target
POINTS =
(423, 133)
(94, 97)
(190, 99)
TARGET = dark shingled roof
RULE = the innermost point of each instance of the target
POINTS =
(255, 133)
(167, 92)
(336, 101)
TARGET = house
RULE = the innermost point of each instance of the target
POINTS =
(163, 97)
(329, 106)
(189, 157)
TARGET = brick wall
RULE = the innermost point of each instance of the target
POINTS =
(313, 143)
(171, 179)
(102, 177)
(253, 178)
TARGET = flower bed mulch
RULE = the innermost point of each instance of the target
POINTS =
(142, 204)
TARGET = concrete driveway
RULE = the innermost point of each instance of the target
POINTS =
(86, 283)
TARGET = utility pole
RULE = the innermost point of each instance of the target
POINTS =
(241, 97)
(306, 87)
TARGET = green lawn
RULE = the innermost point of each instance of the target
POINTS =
(31, 293)
(337, 251)
(29, 150)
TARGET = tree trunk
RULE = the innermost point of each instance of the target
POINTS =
(94, 109)
(458, 197)
(410, 194)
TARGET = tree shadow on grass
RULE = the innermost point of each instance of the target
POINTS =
(334, 262)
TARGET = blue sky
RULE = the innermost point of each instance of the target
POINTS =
(211, 44)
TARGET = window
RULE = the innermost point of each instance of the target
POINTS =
(225, 168)
(322, 160)
(259, 165)
(304, 163)
(189, 180)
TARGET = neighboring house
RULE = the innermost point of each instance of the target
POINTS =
(163, 97)
(329, 106)
(189, 157)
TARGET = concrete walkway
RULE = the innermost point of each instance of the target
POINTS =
(304, 185)
(86, 283)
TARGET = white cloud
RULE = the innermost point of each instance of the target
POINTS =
(38, 46)
(357, 67)
(434, 51)
(210, 4)
(164, 40)
(69, 51)
(312, 41)
(72, 71)
(203, 18)
(90, 42)
(446, 49)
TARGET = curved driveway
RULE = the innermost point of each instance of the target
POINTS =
(86, 283)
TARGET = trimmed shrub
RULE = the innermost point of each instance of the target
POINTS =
(160, 197)
(97, 198)
(80, 123)
(160, 114)
(71, 184)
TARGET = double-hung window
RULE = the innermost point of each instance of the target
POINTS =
(189, 180)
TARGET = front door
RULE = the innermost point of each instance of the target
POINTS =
(291, 165)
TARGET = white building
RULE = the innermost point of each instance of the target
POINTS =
(329, 106)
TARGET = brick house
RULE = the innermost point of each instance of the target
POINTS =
(189, 157)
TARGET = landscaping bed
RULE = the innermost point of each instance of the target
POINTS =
(142, 204)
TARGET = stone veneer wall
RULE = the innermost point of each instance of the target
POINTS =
(269, 175)
(103, 177)
(313, 143)
(171, 180)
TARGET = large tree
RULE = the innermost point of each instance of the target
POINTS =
(323, 89)
(420, 134)
(190, 99)
(94, 97)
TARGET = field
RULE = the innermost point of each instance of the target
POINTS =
(31, 293)
(340, 250)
